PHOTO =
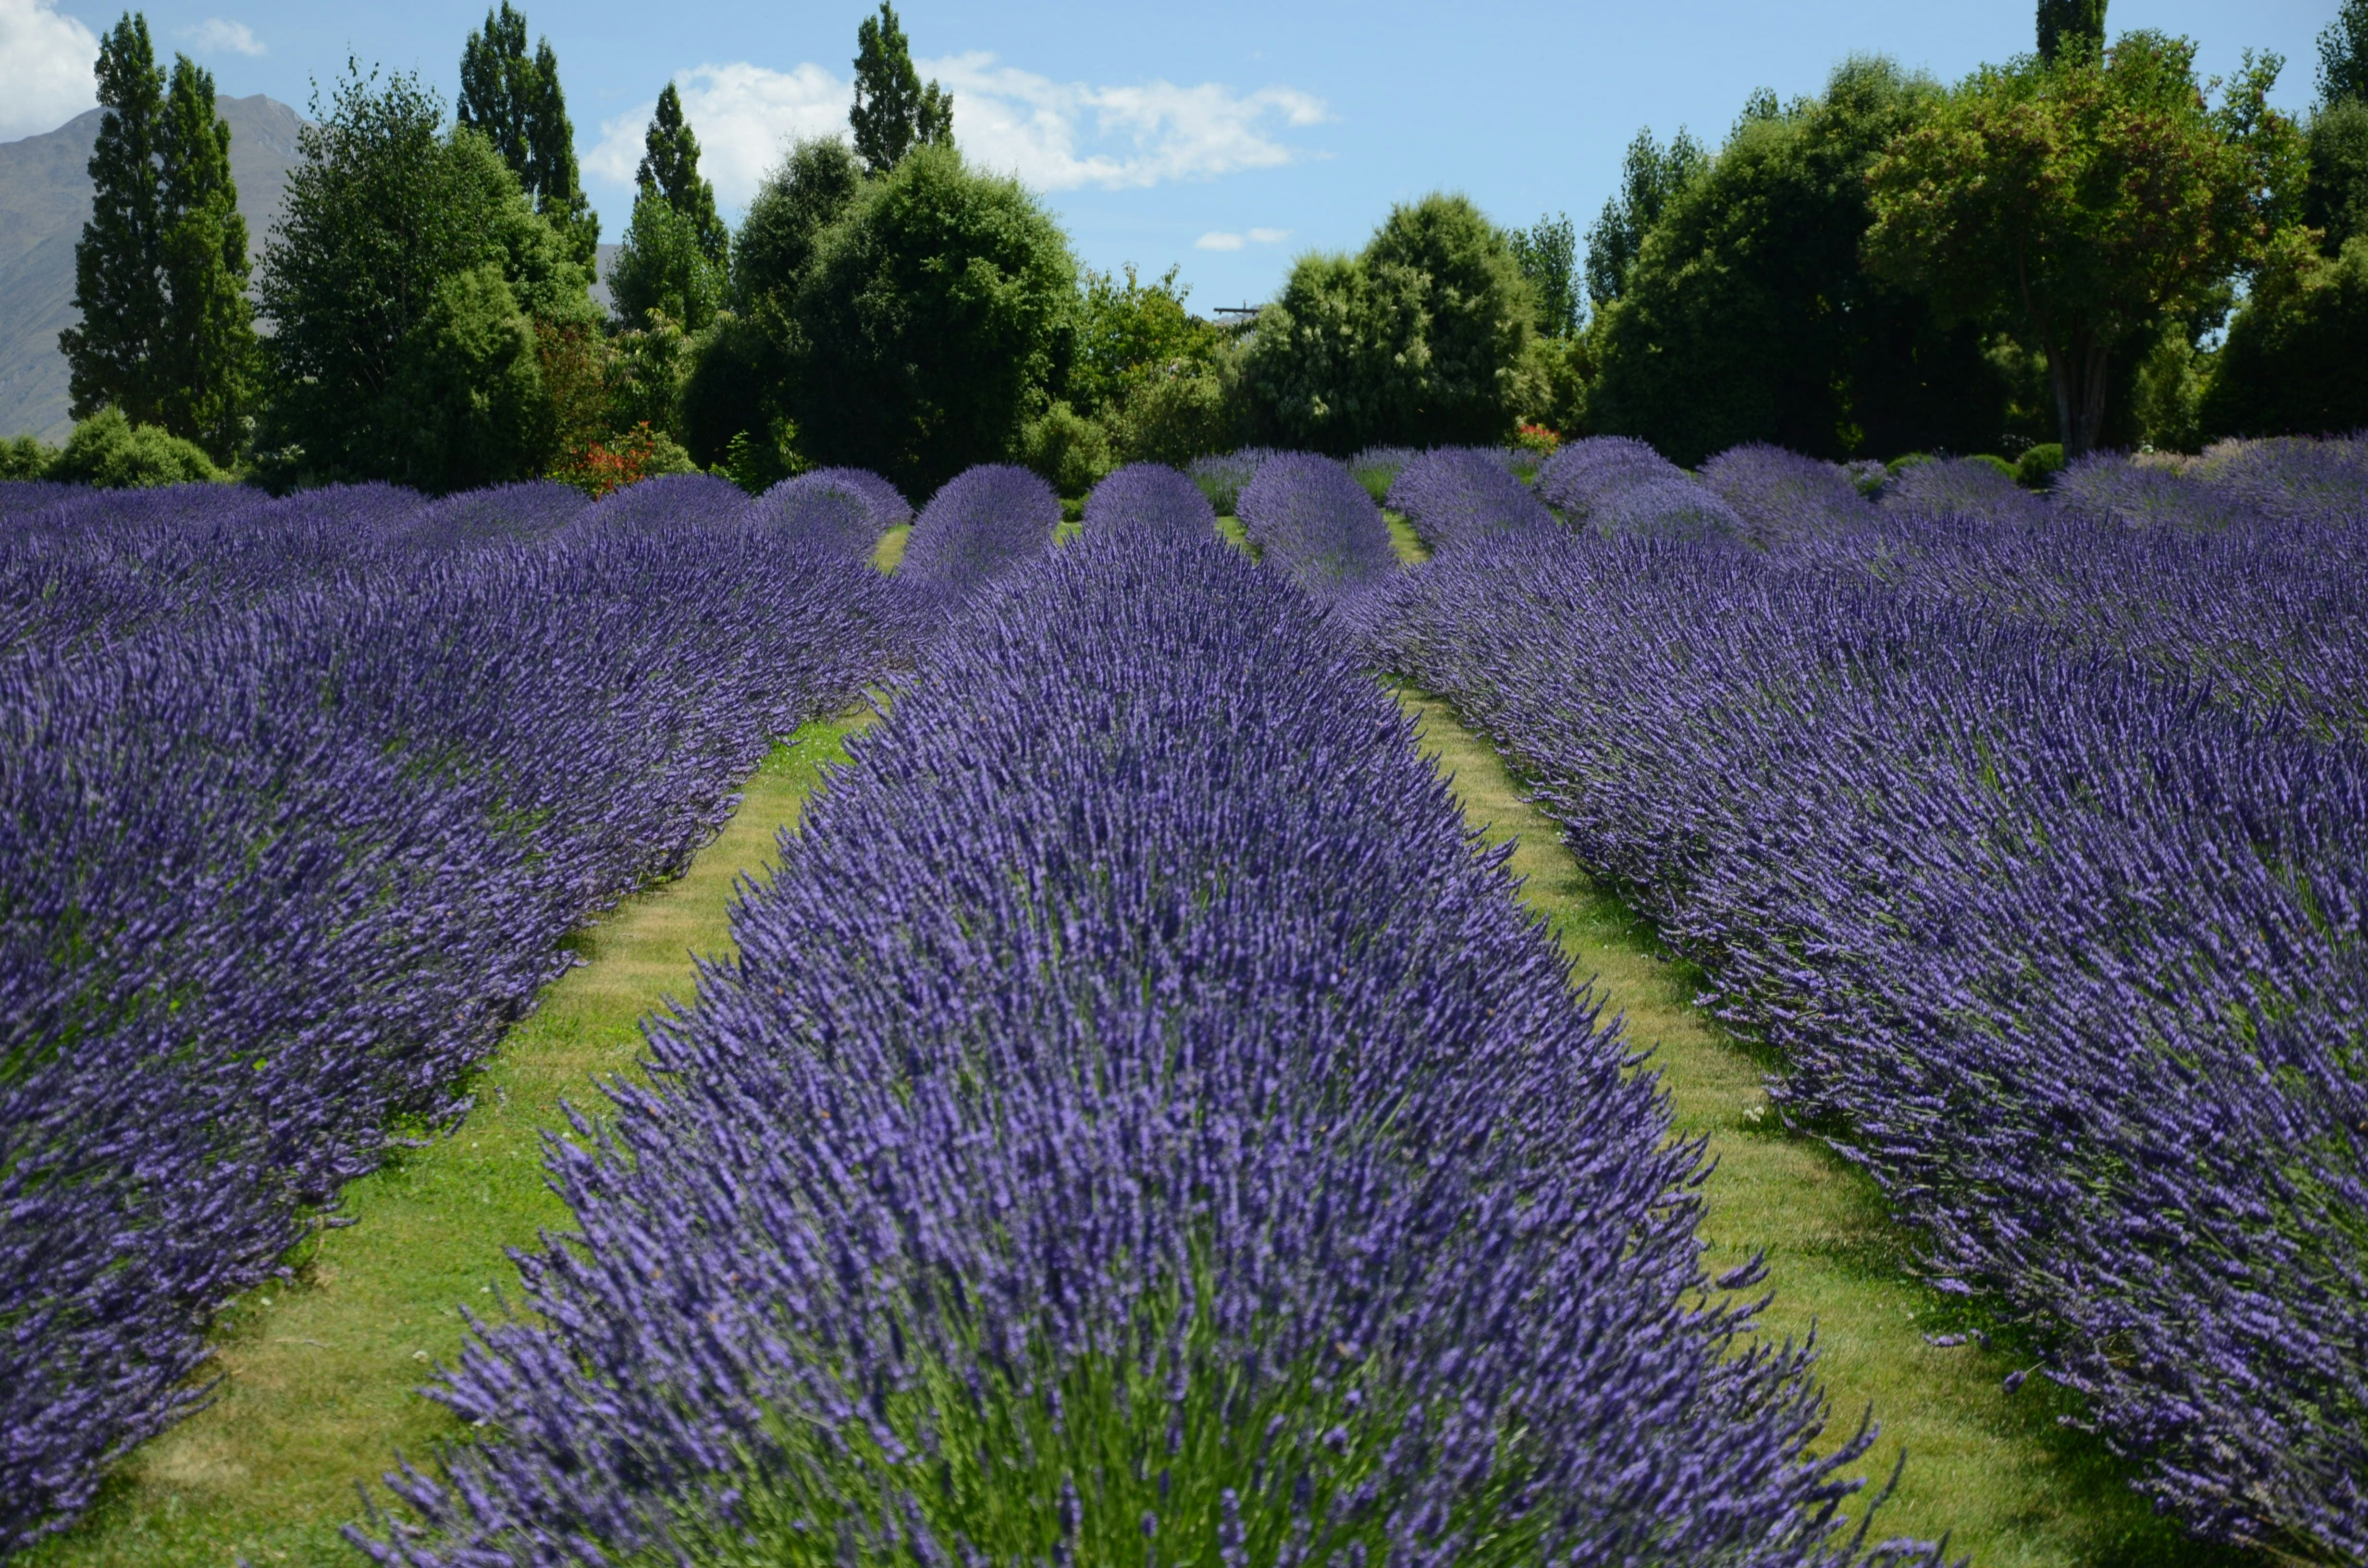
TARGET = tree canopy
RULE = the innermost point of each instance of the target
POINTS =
(930, 320)
(2087, 200)
(515, 100)
(893, 113)
(1747, 316)
(1649, 176)
(2076, 25)
(404, 282)
(2343, 56)
(670, 167)
(1547, 254)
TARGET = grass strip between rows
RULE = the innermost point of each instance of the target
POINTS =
(320, 1373)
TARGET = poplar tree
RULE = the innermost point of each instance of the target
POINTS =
(2080, 23)
(670, 167)
(516, 101)
(208, 352)
(893, 113)
(166, 336)
(2343, 56)
(120, 262)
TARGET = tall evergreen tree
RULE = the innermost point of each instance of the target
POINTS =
(2343, 56)
(1649, 179)
(2078, 22)
(893, 113)
(670, 167)
(120, 263)
(208, 353)
(516, 101)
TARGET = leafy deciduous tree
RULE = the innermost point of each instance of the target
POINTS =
(120, 263)
(2335, 196)
(2343, 56)
(2079, 25)
(814, 187)
(2293, 362)
(1649, 176)
(893, 113)
(1548, 254)
(515, 100)
(1128, 331)
(1747, 315)
(2088, 199)
(208, 353)
(663, 267)
(931, 321)
(404, 283)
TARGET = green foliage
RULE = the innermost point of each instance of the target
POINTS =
(893, 113)
(1173, 418)
(670, 167)
(663, 267)
(645, 373)
(2343, 56)
(1072, 451)
(1134, 332)
(1547, 253)
(1419, 340)
(2166, 395)
(373, 339)
(2088, 199)
(24, 457)
(516, 101)
(109, 450)
(1649, 177)
(120, 263)
(734, 376)
(1556, 380)
(1997, 464)
(2037, 468)
(2077, 26)
(815, 186)
(1748, 316)
(2335, 195)
(470, 389)
(2292, 364)
(930, 320)
(207, 357)
(756, 464)
(160, 273)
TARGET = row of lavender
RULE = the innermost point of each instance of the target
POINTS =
(2034, 834)
(1138, 1126)
(297, 801)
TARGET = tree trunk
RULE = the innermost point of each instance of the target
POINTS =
(2075, 374)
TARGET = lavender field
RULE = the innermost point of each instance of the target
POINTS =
(1138, 1122)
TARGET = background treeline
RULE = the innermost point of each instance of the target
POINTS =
(2086, 246)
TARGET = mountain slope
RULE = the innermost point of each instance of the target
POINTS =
(45, 201)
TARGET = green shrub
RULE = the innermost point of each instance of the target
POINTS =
(2292, 362)
(1991, 459)
(25, 457)
(1072, 451)
(1905, 461)
(108, 450)
(2040, 465)
(1173, 419)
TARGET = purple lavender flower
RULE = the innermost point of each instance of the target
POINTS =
(985, 523)
(1150, 497)
(1308, 517)
(1783, 497)
(1457, 492)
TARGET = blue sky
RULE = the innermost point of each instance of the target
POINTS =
(1226, 137)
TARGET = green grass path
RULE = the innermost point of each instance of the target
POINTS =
(321, 1372)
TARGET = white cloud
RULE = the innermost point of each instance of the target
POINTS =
(1054, 135)
(214, 35)
(46, 60)
(1221, 239)
(745, 117)
(1064, 135)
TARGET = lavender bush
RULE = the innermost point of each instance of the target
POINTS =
(1138, 1127)
(1311, 520)
(842, 509)
(985, 523)
(2109, 488)
(1619, 485)
(1460, 492)
(1960, 487)
(1782, 496)
(2294, 478)
(2070, 956)
(1149, 499)
(272, 876)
